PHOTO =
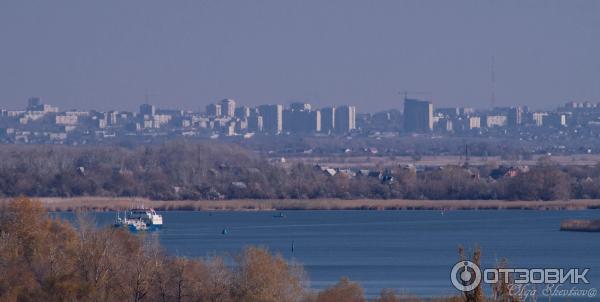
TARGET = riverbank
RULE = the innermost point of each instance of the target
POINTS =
(113, 204)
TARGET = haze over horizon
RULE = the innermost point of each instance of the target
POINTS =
(185, 54)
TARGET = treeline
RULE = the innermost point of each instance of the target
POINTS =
(184, 170)
(50, 260)
(175, 170)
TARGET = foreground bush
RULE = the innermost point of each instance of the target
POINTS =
(343, 291)
(48, 260)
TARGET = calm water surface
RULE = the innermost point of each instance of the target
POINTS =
(411, 251)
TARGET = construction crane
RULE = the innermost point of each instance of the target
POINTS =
(147, 97)
(405, 93)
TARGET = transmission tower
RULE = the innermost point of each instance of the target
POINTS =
(493, 82)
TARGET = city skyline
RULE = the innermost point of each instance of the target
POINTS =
(188, 54)
(40, 122)
(200, 105)
(203, 107)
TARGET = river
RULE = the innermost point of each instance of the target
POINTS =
(410, 251)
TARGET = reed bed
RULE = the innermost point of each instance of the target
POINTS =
(115, 204)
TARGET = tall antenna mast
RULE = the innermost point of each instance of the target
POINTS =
(493, 82)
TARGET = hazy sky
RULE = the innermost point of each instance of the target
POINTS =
(110, 53)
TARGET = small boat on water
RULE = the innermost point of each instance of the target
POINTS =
(139, 220)
(280, 215)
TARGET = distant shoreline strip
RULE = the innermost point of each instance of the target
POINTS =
(116, 204)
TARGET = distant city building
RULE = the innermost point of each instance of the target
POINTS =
(100, 123)
(538, 118)
(228, 107)
(379, 120)
(443, 124)
(328, 119)
(34, 103)
(112, 117)
(572, 105)
(255, 123)
(555, 120)
(78, 113)
(230, 129)
(345, 119)
(301, 119)
(418, 115)
(515, 116)
(61, 136)
(171, 112)
(272, 118)
(242, 112)
(241, 125)
(160, 120)
(580, 105)
(492, 121)
(315, 120)
(451, 112)
(66, 119)
(300, 106)
(466, 111)
(213, 110)
(364, 120)
(147, 109)
(473, 122)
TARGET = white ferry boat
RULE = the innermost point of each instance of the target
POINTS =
(139, 220)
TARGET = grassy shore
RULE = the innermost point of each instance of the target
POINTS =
(110, 204)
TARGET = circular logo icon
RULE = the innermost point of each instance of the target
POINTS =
(465, 276)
